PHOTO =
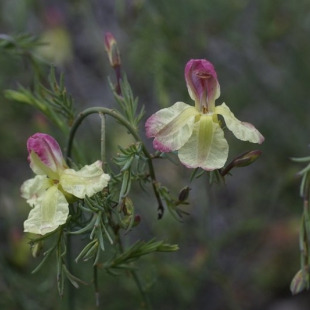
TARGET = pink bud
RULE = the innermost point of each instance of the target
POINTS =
(112, 50)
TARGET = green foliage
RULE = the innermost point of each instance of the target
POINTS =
(301, 280)
(261, 53)
(54, 102)
(128, 103)
(172, 203)
(100, 218)
(22, 44)
(137, 250)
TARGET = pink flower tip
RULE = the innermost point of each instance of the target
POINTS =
(47, 149)
(112, 50)
(201, 79)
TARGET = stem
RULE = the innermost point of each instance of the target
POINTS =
(142, 291)
(71, 293)
(118, 78)
(95, 269)
(135, 276)
(131, 129)
(103, 141)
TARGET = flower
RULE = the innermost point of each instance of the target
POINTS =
(195, 131)
(55, 184)
(112, 50)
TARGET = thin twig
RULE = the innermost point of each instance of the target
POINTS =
(103, 141)
(135, 276)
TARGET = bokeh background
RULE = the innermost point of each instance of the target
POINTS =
(239, 246)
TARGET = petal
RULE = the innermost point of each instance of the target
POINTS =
(50, 211)
(207, 148)
(34, 188)
(39, 168)
(202, 83)
(171, 127)
(243, 131)
(48, 151)
(87, 181)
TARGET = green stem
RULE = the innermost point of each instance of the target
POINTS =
(103, 141)
(135, 276)
(71, 293)
(142, 291)
(95, 269)
(131, 129)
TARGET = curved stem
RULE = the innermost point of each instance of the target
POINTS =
(131, 129)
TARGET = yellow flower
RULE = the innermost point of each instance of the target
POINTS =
(48, 192)
(195, 131)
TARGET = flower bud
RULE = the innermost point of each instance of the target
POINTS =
(137, 220)
(112, 50)
(184, 193)
(36, 249)
(128, 223)
(298, 283)
(246, 158)
(242, 160)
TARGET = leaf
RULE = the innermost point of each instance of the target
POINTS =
(73, 279)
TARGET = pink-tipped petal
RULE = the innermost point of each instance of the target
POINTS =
(202, 84)
(243, 131)
(48, 151)
(171, 127)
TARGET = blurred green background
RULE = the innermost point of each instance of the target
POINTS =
(239, 246)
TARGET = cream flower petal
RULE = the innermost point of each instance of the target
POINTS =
(32, 189)
(39, 168)
(243, 131)
(50, 211)
(171, 127)
(207, 148)
(87, 181)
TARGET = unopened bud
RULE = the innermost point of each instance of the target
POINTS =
(298, 283)
(184, 193)
(127, 206)
(112, 50)
(242, 160)
(127, 221)
(36, 249)
(137, 220)
(246, 158)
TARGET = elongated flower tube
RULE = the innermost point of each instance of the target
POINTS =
(54, 185)
(195, 131)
